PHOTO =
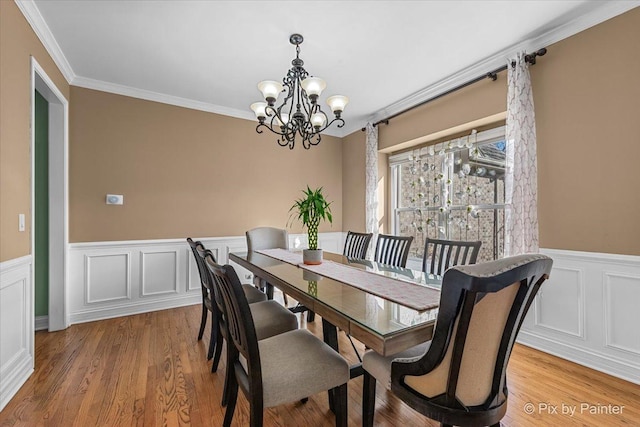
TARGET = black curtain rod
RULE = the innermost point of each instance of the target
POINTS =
(530, 58)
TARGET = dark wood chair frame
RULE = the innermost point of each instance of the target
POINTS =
(448, 253)
(460, 293)
(207, 300)
(244, 341)
(356, 245)
(393, 250)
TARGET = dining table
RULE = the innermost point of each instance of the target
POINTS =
(388, 309)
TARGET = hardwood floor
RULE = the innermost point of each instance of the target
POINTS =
(149, 370)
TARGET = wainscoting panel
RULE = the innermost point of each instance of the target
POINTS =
(587, 312)
(108, 277)
(16, 326)
(560, 303)
(159, 272)
(622, 312)
(112, 279)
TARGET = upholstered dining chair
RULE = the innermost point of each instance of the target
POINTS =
(356, 245)
(267, 238)
(393, 250)
(208, 303)
(459, 377)
(439, 255)
(271, 317)
(284, 368)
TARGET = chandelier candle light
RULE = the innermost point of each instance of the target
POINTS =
(300, 112)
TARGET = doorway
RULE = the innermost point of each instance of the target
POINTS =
(52, 224)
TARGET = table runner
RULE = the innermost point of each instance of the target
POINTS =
(414, 296)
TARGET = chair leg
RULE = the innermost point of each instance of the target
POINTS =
(285, 299)
(229, 376)
(368, 400)
(255, 412)
(232, 398)
(212, 343)
(218, 345)
(340, 397)
(311, 316)
(203, 321)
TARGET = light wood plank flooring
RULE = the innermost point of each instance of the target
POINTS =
(149, 370)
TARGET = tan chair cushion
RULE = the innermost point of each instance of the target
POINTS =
(253, 294)
(296, 365)
(380, 366)
(270, 318)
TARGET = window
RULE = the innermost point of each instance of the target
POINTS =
(453, 190)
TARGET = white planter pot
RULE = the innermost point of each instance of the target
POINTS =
(312, 256)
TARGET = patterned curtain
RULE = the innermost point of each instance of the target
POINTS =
(371, 180)
(521, 180)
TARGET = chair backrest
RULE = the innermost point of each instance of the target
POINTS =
(204, 254)
(356, 245)
(482, 307)
(202, 270)
(240, 327)
(393, 250)
(439, 255)
(267, 238)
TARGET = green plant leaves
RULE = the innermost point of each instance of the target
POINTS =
(310, 210)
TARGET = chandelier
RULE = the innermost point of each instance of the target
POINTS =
(299, 113)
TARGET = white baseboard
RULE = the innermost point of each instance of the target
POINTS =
(581, 356)
(42, 323)
(131, 309)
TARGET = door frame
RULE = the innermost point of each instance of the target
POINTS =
(58, 194)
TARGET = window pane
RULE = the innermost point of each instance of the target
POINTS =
(454, 191)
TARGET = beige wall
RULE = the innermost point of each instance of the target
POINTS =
(184, 172)
(587, 99)
(18, 43)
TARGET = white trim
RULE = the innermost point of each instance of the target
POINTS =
(173, 301)
(40, 27)
(14, 264)
(163, 98)
(581, 356)
(58, 191)
(41, 323)
(603, 12)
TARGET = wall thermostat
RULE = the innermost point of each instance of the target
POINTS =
(115, 199)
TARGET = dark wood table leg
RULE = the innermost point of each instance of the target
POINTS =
(330, 335)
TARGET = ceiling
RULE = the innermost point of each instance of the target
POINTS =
(382, 54)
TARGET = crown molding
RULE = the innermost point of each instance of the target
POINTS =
(40, 27)
(604, 12)
(161, 97)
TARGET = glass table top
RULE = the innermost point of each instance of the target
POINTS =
(376, 314)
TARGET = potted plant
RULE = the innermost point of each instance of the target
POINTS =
(310, 210)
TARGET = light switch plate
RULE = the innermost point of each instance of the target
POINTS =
(21, 222)
(115, 199)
